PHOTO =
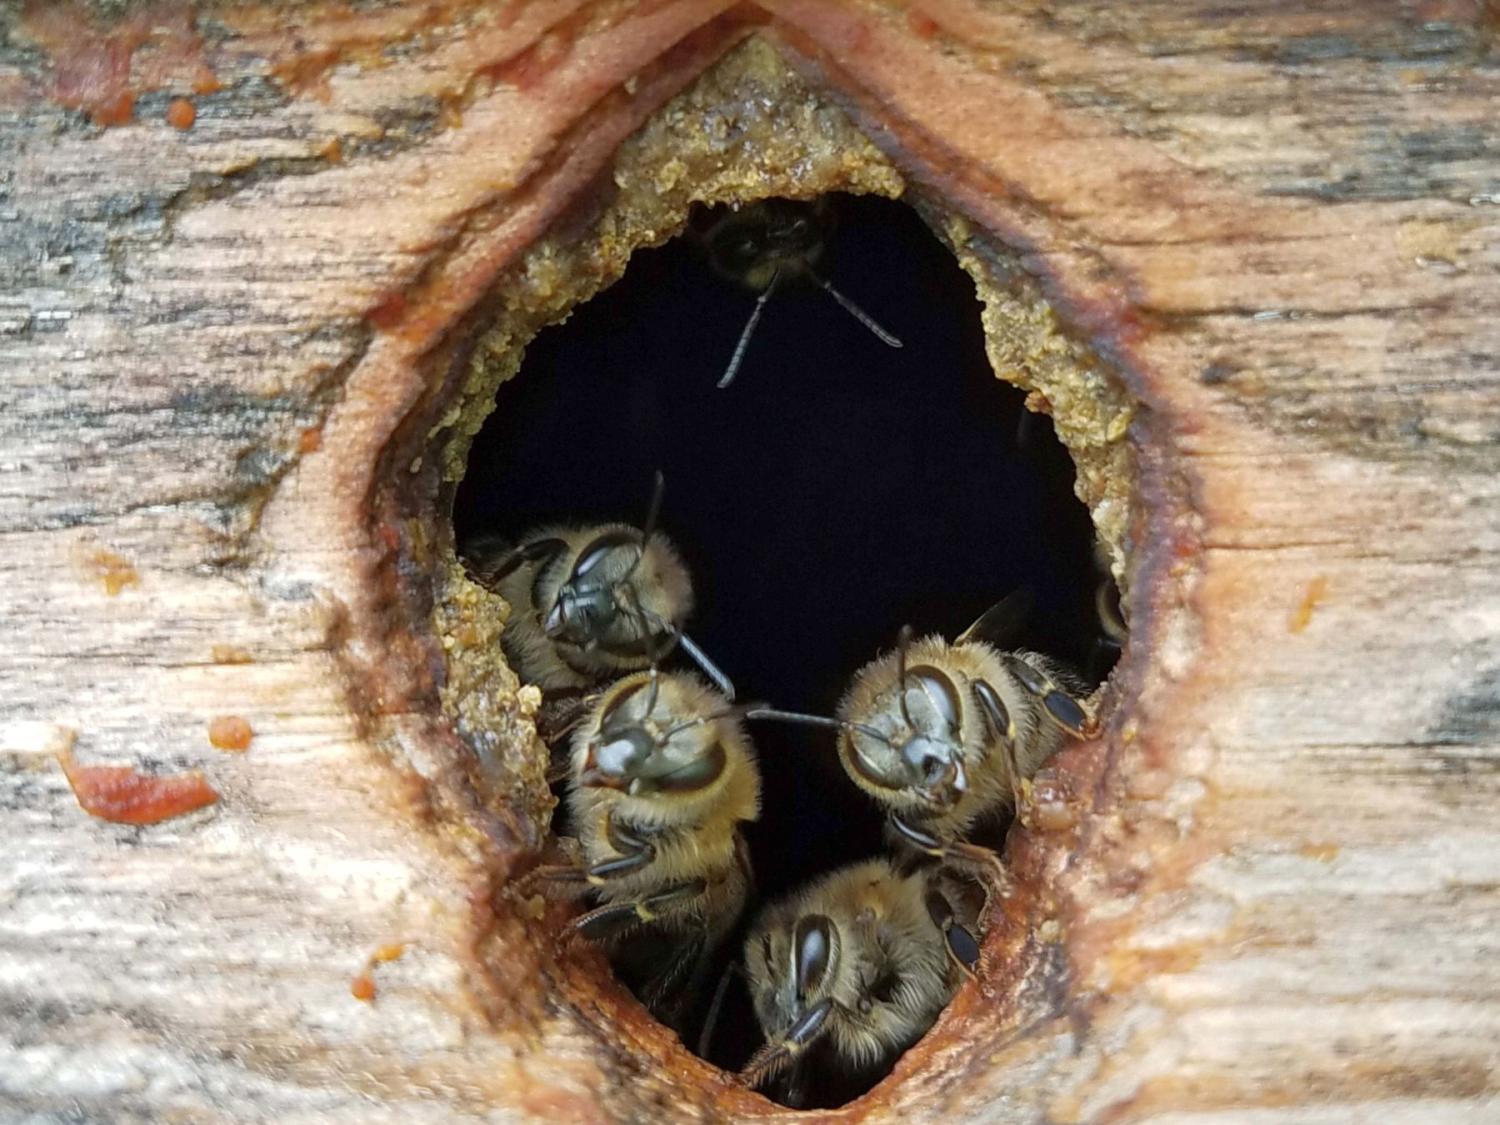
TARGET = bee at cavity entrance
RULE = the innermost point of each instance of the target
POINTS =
(842, 489)
(589, 603)
(944, 735)
(852, 970)
(770, 243)
(662, 777)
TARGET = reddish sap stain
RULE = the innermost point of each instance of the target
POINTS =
(921, 24)
(125, 796)
(117, 110)
(100, 68)
(388, 313)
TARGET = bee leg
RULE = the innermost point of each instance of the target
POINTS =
(634, 854)
(1060, 707)
(634, 851)
(615, 918)
(538, 550)
(669, 991)
(562, 881)
(774, 1057)
(954, 851)
(558, 769)
(963, 948)
(558, 718)
(1005, 729)
(715, 1007)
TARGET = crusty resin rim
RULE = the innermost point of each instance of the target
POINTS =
(420, 648)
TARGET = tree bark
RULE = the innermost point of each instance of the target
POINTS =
(1267, 233)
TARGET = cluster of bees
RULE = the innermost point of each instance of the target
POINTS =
(661, 773)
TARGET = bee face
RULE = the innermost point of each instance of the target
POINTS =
(594, 607)
(912, 739)
(796, 961)
(855, 960)
(774, 235)
(922, 749)
(650, 738)
(591, 602)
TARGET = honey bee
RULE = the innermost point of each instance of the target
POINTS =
(942, 735)
(770, 243)
(591, 602)
(662, 777)
(861, 960)
(1110, 611)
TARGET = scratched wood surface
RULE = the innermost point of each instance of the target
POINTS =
(1279, 223)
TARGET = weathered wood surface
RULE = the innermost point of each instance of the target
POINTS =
(1279, 223)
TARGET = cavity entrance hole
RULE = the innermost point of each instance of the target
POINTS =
(837, 490)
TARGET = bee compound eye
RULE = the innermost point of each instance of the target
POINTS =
(812, 941)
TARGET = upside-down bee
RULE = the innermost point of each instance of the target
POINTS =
(942, 735)
(591, 602)
(856, 966)
(663, 775)
(771, 243)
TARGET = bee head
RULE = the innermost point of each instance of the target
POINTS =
(656, 734)
(795, 970)
(773, 235)
(615, 574)
(626, 594)
(913, 739)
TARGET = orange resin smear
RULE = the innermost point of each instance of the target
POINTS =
(230, 732)
(181, 114)
(124, 795)
(362, 987)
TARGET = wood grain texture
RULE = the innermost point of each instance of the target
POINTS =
(1273, 891)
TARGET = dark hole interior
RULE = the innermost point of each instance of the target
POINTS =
(838, 489)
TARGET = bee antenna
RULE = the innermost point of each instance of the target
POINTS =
(702, 720)
(705, 665)
(749, 330)
(654, 691)
(771, 714)
(679, 639)
(1107, 606)
(901, 646)
(648, 640)
(776, 1056)
(853, 310)
(648, 529)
